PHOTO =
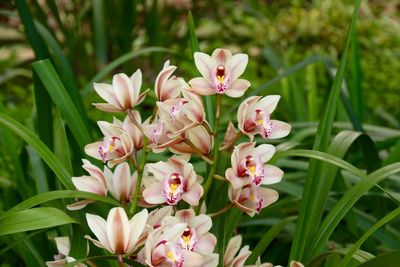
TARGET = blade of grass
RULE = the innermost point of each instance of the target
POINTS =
(308, 220)
(390, 259)
(99, 31)
(33, 219)
(392, 215)
(355, 79)
(58, 194)
(45, 153)
(61, 147)
(62, 100)
(64, 68)
(345, 204)
(267, 238)
(42, 98)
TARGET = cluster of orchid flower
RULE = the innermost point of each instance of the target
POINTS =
(167, 236)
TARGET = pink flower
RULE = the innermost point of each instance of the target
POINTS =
(116, 146)
(196, 236)
(220, 73)
(199, 137)
(168, 86)
(252, 199)
(180, 119)
(162, 249)
(173, 181)
(63, 246)
(118, 235)
(248, 166)
(232, 249)
(123, 94)
(254, 118)
(121, 184)
(131, 129)
(94, 183)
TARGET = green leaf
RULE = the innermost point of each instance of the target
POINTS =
(63, 67)
(103, 258)
(390, 259)
(308, 219)
(99, 31)
(44, 152)
(61, 147)
(62, 100)
(42, 98)
(33, 219)
(58, 194)
(392, 215)
(345, 204)
(267, 238)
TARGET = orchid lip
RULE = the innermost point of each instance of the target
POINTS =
(254, 170)
(263, 121)
(172, 188)
(188, 240)
(107, 146)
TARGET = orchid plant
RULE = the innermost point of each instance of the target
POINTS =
(163, 219)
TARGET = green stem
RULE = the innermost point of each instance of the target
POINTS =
(219, 212)
(143, 158)
(209, 180)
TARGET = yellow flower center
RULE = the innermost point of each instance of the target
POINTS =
(171, 256)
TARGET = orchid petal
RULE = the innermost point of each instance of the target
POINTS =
(204, 64)
(117, 230)
(237, 65)
(98, 227)
(238, 88)
(201, 86)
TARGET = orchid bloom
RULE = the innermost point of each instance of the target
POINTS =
(61, 259)
(131, 129)
(121, 183)
(94, 183)
(199, 137)
(168, 86)
(175, 118)
(196, 236)
(252, 199)
(116, 146)
(248, 166)
(118, 235)
(162, 249)
(254, 118)
(230, 257)
(173, 181)
(220, 73)
(123, 94)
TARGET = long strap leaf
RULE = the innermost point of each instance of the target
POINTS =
(308, 220)
(44, 152)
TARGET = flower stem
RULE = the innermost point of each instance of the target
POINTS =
(132, 118)
(213, 169)
(219, 212)
(142, 162)
(219, 177)
(120, 261)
